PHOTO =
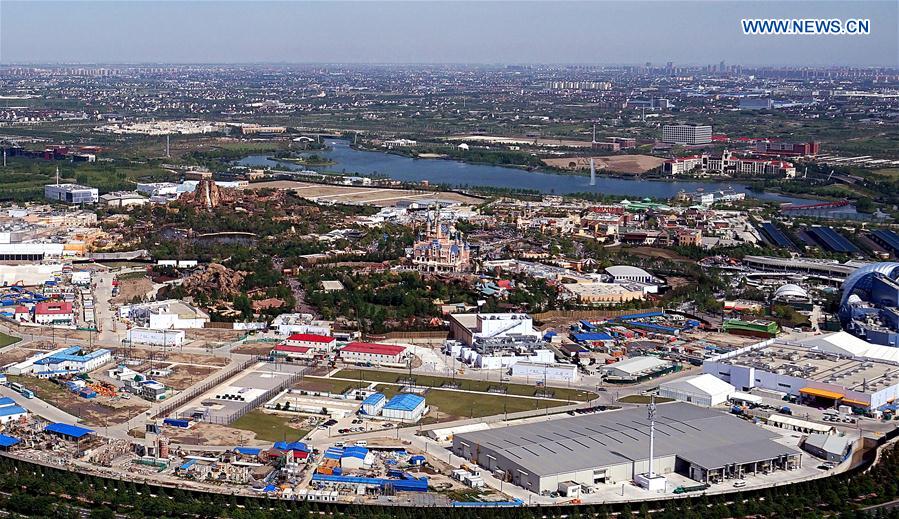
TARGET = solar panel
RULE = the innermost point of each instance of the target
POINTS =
(776, 236)
(888, 239)
(832, 240)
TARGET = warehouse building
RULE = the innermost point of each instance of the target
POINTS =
(705, 390)
(828, 447)
(373, 404)
(635, 368)
(375, 354)
(404, 407)
(469, 328)
(824, 370)
(613, 447)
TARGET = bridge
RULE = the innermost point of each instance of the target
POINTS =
(812, 207)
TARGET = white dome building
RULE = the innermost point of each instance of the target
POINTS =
(791, 293)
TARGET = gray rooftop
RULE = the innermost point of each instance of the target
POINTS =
(703, 436)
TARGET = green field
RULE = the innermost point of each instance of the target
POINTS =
(269, 427)
(455, 405)
(560, 393)
(6, 340)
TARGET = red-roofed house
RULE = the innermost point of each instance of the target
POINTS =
(378, 354)
(54, 312)
(311, 340)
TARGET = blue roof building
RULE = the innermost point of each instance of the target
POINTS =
(7, 441)
(405, 407)
(68, 431)
(373, 404)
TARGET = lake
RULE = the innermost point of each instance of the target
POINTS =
(461, 174)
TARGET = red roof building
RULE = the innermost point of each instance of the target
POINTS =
(311, 340)
(373, 353)
(49, 312)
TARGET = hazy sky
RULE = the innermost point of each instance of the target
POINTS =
(605, 32)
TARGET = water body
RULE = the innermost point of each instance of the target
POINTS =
(461, 174)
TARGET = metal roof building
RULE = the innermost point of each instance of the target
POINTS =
(612, 447)
(706, 390)
(405, 407)
(68, 431)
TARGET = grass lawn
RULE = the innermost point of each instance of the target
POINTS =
(453, 405)
(561, 393)
(6, 340)
(269, 427)
(327, 384)
(642, 399)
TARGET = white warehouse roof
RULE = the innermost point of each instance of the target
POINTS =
(627, 271)
(706, 383)
(843, 343)
(638, 365)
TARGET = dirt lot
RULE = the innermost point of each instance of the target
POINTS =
(131, 288)
(95, 412)
(206, 434)
(16, 355)
(194, 358)
(183, 376)
(376, 196)
(213, 334)
(634, 164)
(256, 348)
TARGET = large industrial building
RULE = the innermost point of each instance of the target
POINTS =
(825, 370)
(468, 328)
(705, 390)
(613, 447)
(71, 193)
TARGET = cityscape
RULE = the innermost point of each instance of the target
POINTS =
(242, 276)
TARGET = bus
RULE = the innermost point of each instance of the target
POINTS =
(27, 393)
(15, 386)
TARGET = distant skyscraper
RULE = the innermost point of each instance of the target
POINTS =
(592, 171)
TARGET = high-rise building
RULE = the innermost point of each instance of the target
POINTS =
(687, 134)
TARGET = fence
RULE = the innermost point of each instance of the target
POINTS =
(249, 406)
(181, 398)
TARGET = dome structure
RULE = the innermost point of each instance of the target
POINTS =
(790, 291)
(869, 305)
(862, 279)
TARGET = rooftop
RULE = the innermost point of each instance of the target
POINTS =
(373, 349)
(706, 437)
(404, 402)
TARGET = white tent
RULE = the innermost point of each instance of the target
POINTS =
(705, 390)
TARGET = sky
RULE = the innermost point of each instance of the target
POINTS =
(502, 32)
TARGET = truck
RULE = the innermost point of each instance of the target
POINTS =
(691, 488)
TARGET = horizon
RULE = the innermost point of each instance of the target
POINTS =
(597, 33)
